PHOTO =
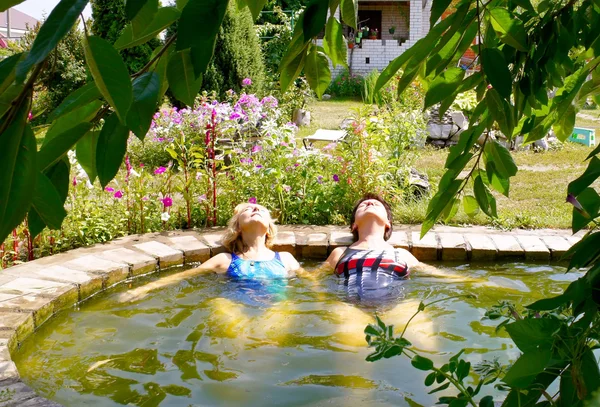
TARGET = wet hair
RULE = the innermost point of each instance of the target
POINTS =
(388, 211)
(232, 239)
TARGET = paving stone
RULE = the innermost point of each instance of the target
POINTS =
(213, 240)
(425, 249)
(558, 245)
(535, 249)
(339, 239)
(399, 239)
(507, 246)
(454, 246)
(42, 308)
(574, 239)
(16, 393)
(112, 271)
(39, 402)
(285, 242)
(139, 262)
(19, 322)
(4, 350)
(166, 255)
(10, 339)
(482, 247)
(63, 294)
(192, 248)
(88, 283)
(312, 245)
(8, 370)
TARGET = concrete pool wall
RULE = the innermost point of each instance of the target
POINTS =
(32, 292)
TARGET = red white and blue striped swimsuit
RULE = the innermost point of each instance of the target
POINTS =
(371, 274)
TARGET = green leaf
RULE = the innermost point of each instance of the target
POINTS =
(68, 121)
(200, 37)
(442, 387)
(56, 148)
(421, 363)
(144, 17)
(563, 127)
(487, 401)
(466, 141)
(315, 16)
(182, 80)
(9, 96)
(8, 71)
(486, 201)
(82, 96)
(349, 10)
(496, 70)
(165, 16)
(132, 7)
(444, 86)
(463, 369)
(470, 205)
(430, 379)
(451, 210)
(497, 182)
(110, 74)
(86, 153)
(48, 203)
(256, 7)
(145, 98)
(292, 70)
(503, 161)
(17, 171)
(334, 42)
(590, 175)
(533, 333)
(56, 26)
(501, 111)
(437, 9)
(439, 202)
(6, 4)
(590, 201)
(110, 150)
(510, 29)
(584, 252)
(317, 71)
(527, 367)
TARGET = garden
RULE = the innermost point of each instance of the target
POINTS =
(124, 124)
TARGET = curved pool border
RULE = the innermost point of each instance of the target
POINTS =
(32, 292)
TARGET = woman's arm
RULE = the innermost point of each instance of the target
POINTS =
(289, 261)
(334, 257)
(219, 264)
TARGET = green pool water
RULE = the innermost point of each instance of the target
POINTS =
(210, 341)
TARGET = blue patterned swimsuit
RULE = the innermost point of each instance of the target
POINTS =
(257, 269)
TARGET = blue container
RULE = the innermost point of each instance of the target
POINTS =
(584, 136)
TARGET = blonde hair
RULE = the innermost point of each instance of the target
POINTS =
(232, 239)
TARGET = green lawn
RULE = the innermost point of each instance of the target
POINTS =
(537, 192)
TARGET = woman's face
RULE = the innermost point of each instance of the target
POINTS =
(254, 216)
(370, 210)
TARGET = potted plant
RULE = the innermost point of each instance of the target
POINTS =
(373, 34)
(365, 32)
(392, 29)
(359, 34)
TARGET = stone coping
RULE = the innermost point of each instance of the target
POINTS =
(32, 292)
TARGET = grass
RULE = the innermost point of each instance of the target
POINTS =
(537, 192)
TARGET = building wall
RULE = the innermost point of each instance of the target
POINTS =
(392, 14)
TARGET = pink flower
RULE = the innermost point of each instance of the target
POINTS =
(159, 170)
(320, 179)
(252, 200)
(245, 160)
(109, 189)
(74, 181)
(202, 198)
(256, 148)
(144, 198)
(119, 194)
(167, 201)
(29, 116)
(287, 188)
(246, 82)
(141, 164)
(336, 178)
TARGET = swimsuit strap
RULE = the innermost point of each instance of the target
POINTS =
(277, 257)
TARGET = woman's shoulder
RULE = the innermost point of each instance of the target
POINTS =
(289, 261)
(407, 257)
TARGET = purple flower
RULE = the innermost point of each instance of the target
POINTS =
(159, 170)
(252, 200)
(119, 194)
(245, 160)
(269, 101)
(573, 201)
(246, 82)
(202, 198)
(287, 188)
(256, 148)
(329, 146)
(296, 165)
(259, 166)
(167, 201)
(109, 189)
(284, 144)
(320, 179)
(144, 198)
(336, 178)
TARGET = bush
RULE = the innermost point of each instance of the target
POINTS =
(345, 85)
(238, 57)
(275, 36)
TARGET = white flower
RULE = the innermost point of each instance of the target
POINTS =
(88, 184)
(134, 173)
(165, 216)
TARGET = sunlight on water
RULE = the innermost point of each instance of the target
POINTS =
(210, 341)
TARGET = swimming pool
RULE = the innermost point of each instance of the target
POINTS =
(212, 341)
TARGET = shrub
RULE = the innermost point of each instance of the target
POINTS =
(238, 57)
(346, 85)
(275, 36)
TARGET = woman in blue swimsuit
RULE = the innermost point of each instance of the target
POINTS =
(248, 238)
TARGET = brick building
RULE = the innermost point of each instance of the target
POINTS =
(14, 25)
(410, 19)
